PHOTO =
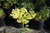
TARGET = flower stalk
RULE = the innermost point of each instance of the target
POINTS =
(23, 28)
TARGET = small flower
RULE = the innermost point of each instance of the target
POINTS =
(32, 12)
(19, 21)
(26, 21)
(23, 9)
(33, 15)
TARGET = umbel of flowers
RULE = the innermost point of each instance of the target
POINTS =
(22, 15)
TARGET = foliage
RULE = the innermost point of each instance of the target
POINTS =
(1, 12)
(27, 29)
(1, 0)
(0, 3)
(40, 1)
(12, 1)
(7, 5)
(25, 1)
(43, 14)
(28, 5)
(22, 15)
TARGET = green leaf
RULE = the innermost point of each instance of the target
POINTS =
(1, 12)
(20, 31)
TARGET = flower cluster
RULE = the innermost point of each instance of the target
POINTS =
(22, 15)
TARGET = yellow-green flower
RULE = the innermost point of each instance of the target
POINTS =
(23, 9)
(22, 15)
